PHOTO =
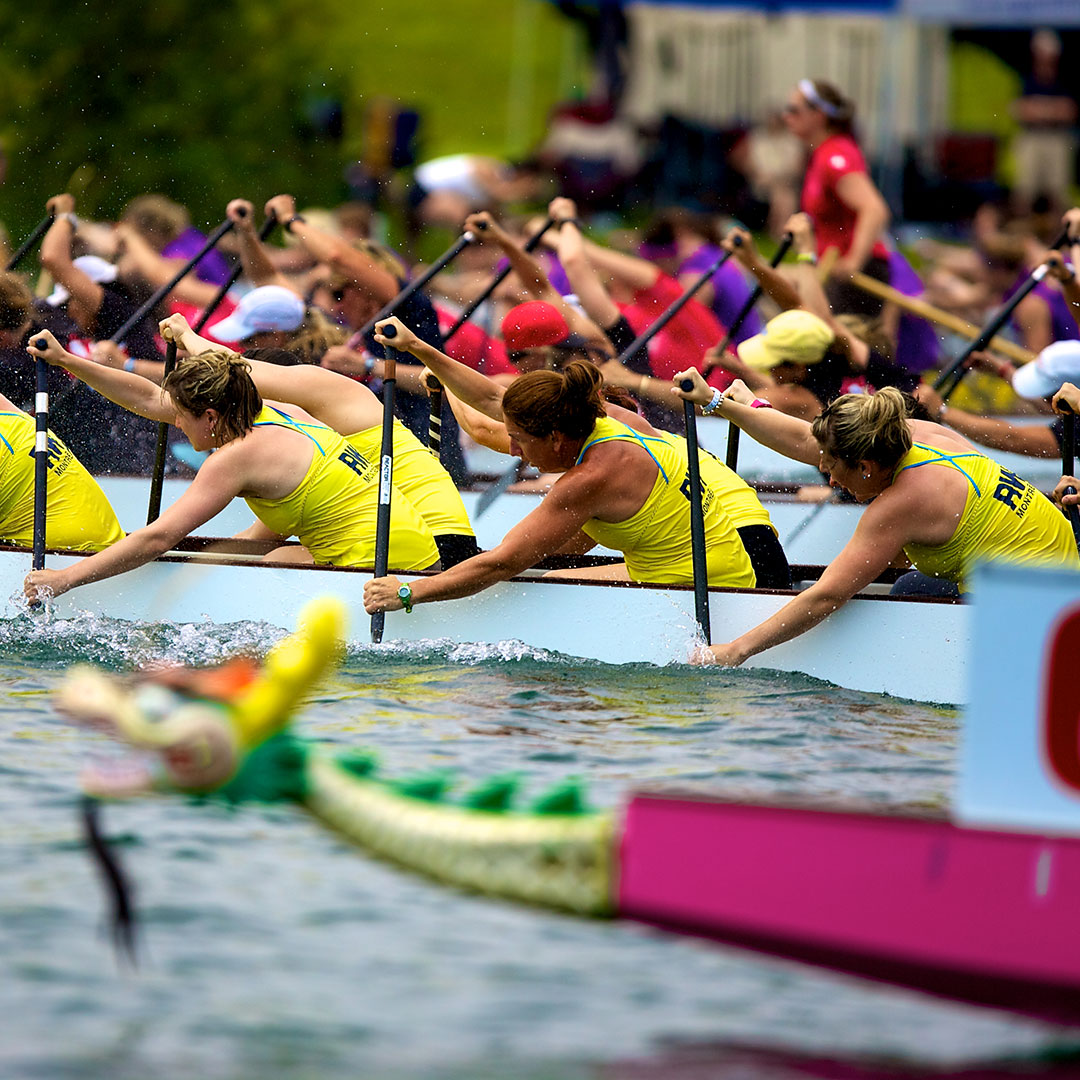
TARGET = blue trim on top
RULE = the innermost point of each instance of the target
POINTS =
(945, 459)
(289, 422)
(640, 439)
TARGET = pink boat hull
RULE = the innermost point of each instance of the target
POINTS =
(983, 916)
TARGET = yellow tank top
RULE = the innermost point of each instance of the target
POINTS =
(737, 498)
(656, 540)
(420, 475)
(78, 516)
(1004, 518)
(333, 510)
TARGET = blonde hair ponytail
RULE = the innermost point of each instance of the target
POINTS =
(866, 427)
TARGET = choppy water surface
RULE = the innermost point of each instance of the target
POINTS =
(270, 949)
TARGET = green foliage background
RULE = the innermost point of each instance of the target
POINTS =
(205, 100)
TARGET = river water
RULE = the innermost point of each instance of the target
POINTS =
(270, 949)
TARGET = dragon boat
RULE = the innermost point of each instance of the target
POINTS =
(869, 645)
(980, 908)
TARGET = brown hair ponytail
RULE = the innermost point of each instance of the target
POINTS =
(866, 427)
(219, 380)
(566, 401)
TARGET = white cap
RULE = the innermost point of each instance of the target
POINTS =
(1056, 364)
(94, 267)
(269, 307)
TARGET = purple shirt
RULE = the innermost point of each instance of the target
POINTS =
(211, 268)
(917, 344)
(730, 291)
(1062, 325)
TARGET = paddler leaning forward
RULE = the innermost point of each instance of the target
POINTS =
(351, 409)
(618, 486)
(299, 477)
(932, 497)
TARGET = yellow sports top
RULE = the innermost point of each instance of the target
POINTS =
(1004, 518)
(656, 540)
(333, 510)
(420, 475)
(78, 516)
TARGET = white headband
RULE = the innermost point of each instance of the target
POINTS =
(809, 91)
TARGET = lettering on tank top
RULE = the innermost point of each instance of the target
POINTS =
(358, 463)
(1010, 488)
(59, 456)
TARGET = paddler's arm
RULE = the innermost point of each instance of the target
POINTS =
(474, 389)
(214, 486)
(480, 428)
(133, 392)
(882, 531)
(787, 435)
(553, 524)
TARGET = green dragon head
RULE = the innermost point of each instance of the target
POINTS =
(199, 726)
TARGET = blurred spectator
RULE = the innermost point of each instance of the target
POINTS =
(772, 159)
(1045, 149)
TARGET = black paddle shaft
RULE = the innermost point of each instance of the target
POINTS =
(160, 294)
(650, 332)
(386, 478)
(462, 242)
(470, 308)
(951, 377)
(41, 455)
(264, 232)
(24, 249)
(157, 480)
(697, 520)
(1068, 466)
(435, 401)
(732, 457)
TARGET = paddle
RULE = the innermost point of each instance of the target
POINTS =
(157, 479)
(40, 229)
(650, 332)
(160, 294)
(1068, 463)
(470, 309)
(264, 232)
(951, 377)
(435, 399)
(732, 457)
(386, 476)
(41, 454)
(697, 519)
(444, 260)
(497, 487)
(917, 306)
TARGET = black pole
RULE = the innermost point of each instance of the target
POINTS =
(168, 287)
(40, 229)
(41, 454)
(650, 332)
(459, 245)
(697, 520)
(1068, 465)
(734, 431)
(264, 232)
(386, 477)
(435, 399)
(951, 377)
(157, 479)
(470, 308)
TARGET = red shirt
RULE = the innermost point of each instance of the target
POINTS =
(685, 340)
(473, 348)
(193, 313)
(834, 222)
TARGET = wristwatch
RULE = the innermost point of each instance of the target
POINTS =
(405, 596)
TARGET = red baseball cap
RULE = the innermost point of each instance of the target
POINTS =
(532, 325)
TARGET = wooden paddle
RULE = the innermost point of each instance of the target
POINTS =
(732, 457)
(924, 310)
(386, 477)
(444, 260)
(951, 377)
(40, 229)
(470, 308)
(697, 519)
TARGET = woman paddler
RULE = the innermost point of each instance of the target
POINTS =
(299, 477)
(78, 516)
(351, 409)
(931, 495)
(618, 486)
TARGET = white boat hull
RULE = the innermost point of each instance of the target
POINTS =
(907, 648)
